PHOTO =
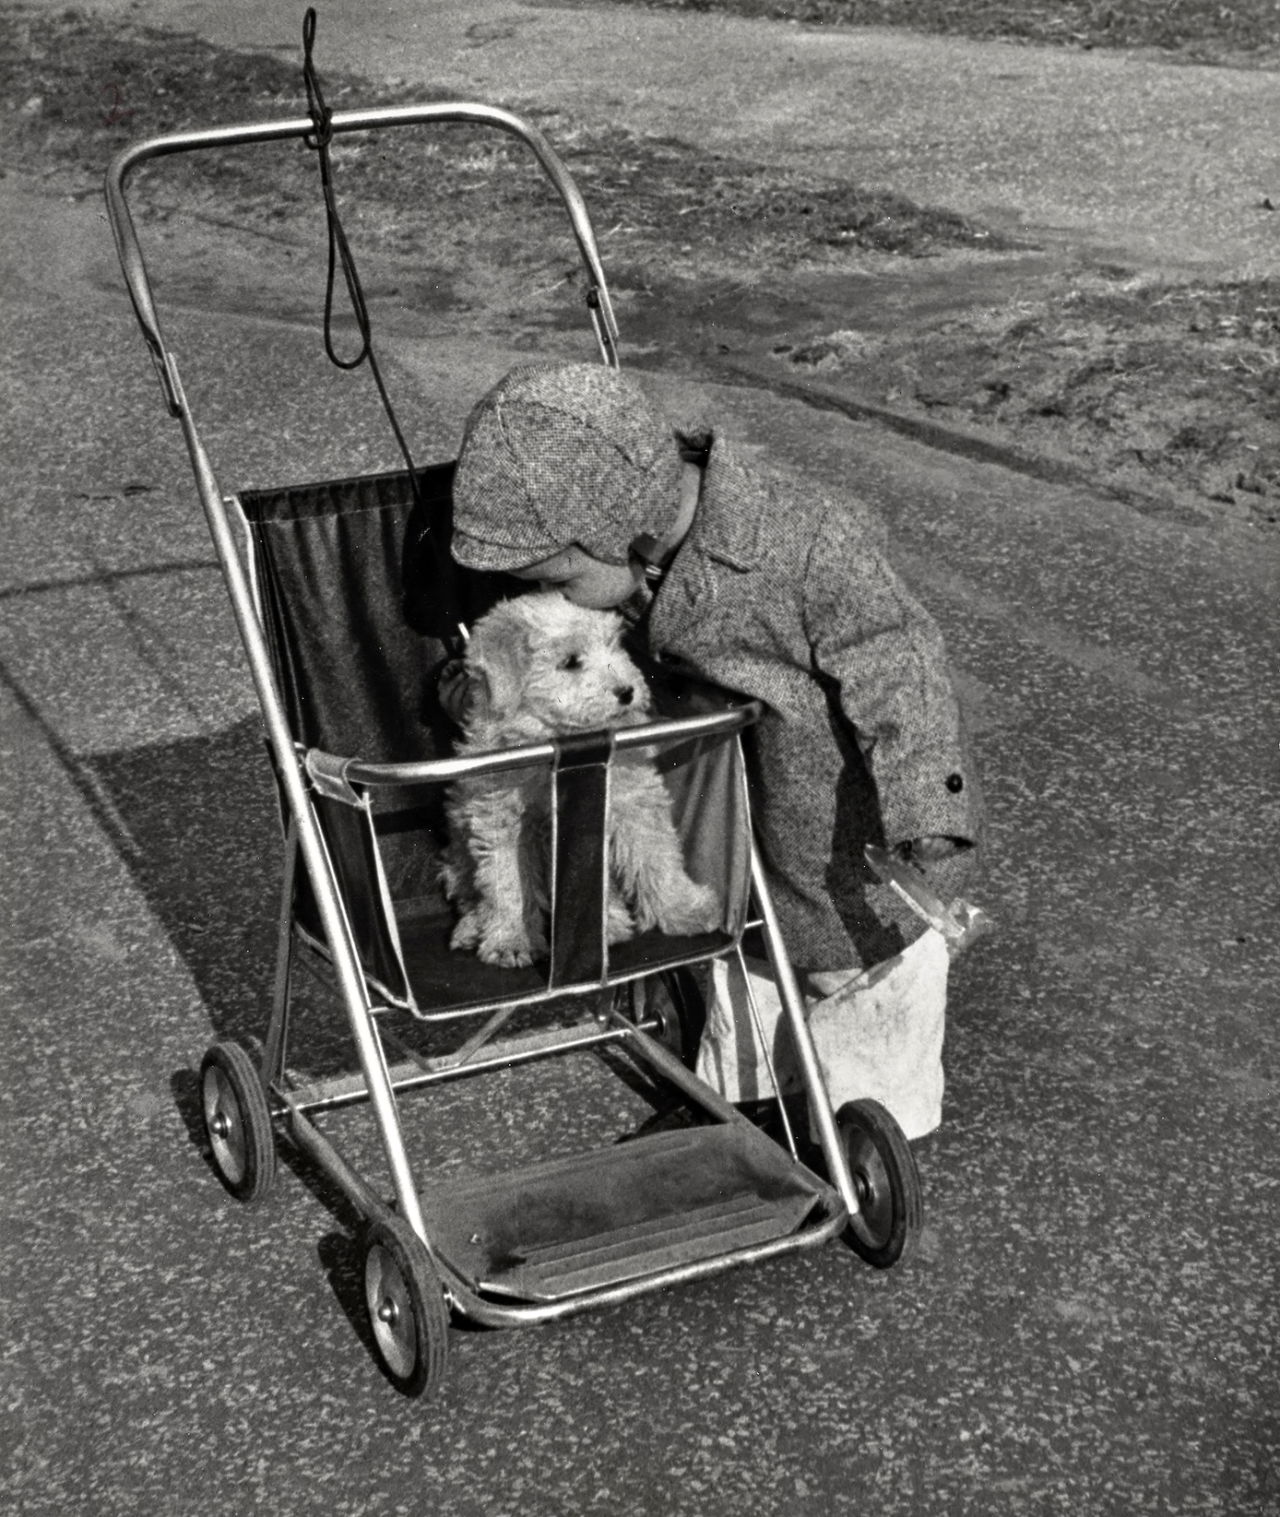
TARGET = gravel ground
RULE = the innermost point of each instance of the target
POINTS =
(1244, 34)
(163, 82)
(1141, 386)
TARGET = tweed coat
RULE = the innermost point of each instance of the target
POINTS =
(784, 594)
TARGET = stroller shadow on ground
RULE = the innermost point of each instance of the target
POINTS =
(196, 823)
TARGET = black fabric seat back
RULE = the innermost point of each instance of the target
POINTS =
(361, 603)
(361, 600)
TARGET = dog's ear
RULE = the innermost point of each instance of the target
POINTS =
(496, 665)
(479, 702)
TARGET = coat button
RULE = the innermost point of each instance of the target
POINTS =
(955, 783)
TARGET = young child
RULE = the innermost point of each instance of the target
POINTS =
(756, 581)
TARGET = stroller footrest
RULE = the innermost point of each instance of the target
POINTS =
(626, 1252)
(617, 1214)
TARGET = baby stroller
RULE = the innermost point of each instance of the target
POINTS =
(338, 653)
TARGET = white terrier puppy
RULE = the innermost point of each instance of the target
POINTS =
(539, 667)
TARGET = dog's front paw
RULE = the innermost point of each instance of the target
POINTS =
(619, 923)
(689, 911)
(511, 948)
(466, 934)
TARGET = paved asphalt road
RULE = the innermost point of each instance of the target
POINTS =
(1090, 1325)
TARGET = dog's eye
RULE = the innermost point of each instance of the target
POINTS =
(573, 661)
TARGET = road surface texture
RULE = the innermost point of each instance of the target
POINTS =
(1089, 1325)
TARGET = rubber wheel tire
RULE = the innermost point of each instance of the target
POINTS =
(237, 1122)
(407, 1310)
(886, 1182)
(681, 1014)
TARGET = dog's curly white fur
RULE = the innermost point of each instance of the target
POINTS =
(539, 667)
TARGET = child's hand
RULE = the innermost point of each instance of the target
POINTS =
(928, 850)
(455, 692)
(937, 860)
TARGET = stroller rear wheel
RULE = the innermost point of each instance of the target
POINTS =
(886, 1182)
(675, 1000)
(237, 1122)
(406, 1305)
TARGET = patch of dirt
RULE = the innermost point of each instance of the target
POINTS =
(664, 191)
(1138, 384)
(74, 90)
(454, 225)
(1141, 386)
(1244, 33)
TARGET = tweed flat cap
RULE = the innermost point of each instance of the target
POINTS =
(561, 454)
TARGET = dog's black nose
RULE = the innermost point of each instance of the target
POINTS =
(625, 693)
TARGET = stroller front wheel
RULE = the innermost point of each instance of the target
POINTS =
(886, 1182)
(237, 1122)
(406, 1305)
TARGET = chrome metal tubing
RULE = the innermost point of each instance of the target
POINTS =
(337, 930)
(310, 842)
(134, 266)
(273, 1054)
(490, 1313)
(530, 755)
(349, 1090)
(310, 1141)
(308, 1138)
(794, 1005)
(667, 1065)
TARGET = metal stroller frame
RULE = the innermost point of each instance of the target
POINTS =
(411, 1281)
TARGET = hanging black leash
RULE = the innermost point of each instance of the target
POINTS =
(340, 248)
(430, 579)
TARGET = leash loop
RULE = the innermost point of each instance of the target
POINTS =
(319, 112)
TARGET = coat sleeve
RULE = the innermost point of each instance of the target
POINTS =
(881, 651)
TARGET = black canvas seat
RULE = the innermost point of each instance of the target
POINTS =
(361, 610)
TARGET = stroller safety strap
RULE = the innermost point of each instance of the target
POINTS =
(329, 776)
(580, 859)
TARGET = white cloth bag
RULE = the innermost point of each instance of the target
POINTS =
(877, 1033)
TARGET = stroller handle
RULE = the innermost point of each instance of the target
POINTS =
(134, 266)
